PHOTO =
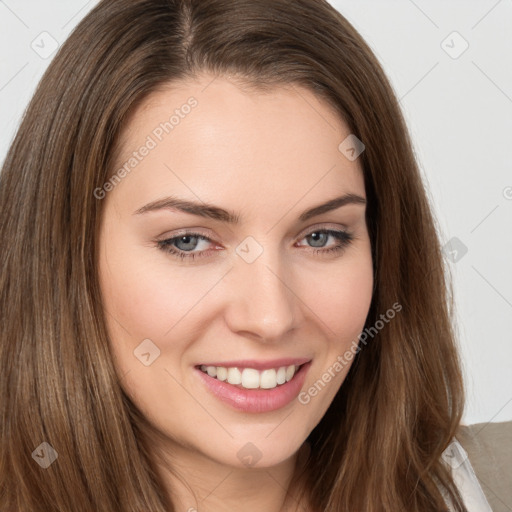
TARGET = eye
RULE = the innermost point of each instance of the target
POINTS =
(319, 238)
(186, 244)
(183, 245)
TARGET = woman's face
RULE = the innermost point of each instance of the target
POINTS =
(242, 294)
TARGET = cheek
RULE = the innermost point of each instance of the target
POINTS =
(342, 298)
(142, 304)
(341, 303)
(145, 300)
(141, 294)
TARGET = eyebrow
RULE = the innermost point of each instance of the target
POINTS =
(217, 213)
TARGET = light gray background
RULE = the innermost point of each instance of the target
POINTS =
(459, 111)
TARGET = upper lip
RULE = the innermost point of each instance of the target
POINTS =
(260, 365)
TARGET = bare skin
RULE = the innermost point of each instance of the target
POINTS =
(267, 157)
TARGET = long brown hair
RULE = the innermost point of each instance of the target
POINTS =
(379, 445)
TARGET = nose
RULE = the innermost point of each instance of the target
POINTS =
(262, 301)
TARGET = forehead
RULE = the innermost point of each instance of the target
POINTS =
(209, 134)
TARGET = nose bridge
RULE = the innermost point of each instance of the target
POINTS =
(263, 302)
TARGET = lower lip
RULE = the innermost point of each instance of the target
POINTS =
(256, 400)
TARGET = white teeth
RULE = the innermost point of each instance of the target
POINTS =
(234, 376)
(222, 373)
(250, 378)
(268, 379)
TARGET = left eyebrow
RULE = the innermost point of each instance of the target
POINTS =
(333, 204)
(215, 212)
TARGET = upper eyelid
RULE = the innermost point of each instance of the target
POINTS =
(323, 227)
(302, 234)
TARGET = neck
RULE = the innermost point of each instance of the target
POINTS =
(196, 482)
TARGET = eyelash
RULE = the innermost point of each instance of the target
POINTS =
(344, 237)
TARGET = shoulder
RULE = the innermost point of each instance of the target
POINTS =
(481, 461)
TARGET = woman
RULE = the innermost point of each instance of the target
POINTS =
(221, 280)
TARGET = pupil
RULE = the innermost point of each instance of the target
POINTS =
(315, 235)
(186, 239)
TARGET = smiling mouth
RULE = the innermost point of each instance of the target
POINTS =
(250, 378)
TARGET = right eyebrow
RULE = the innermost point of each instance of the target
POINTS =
(183, 205)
